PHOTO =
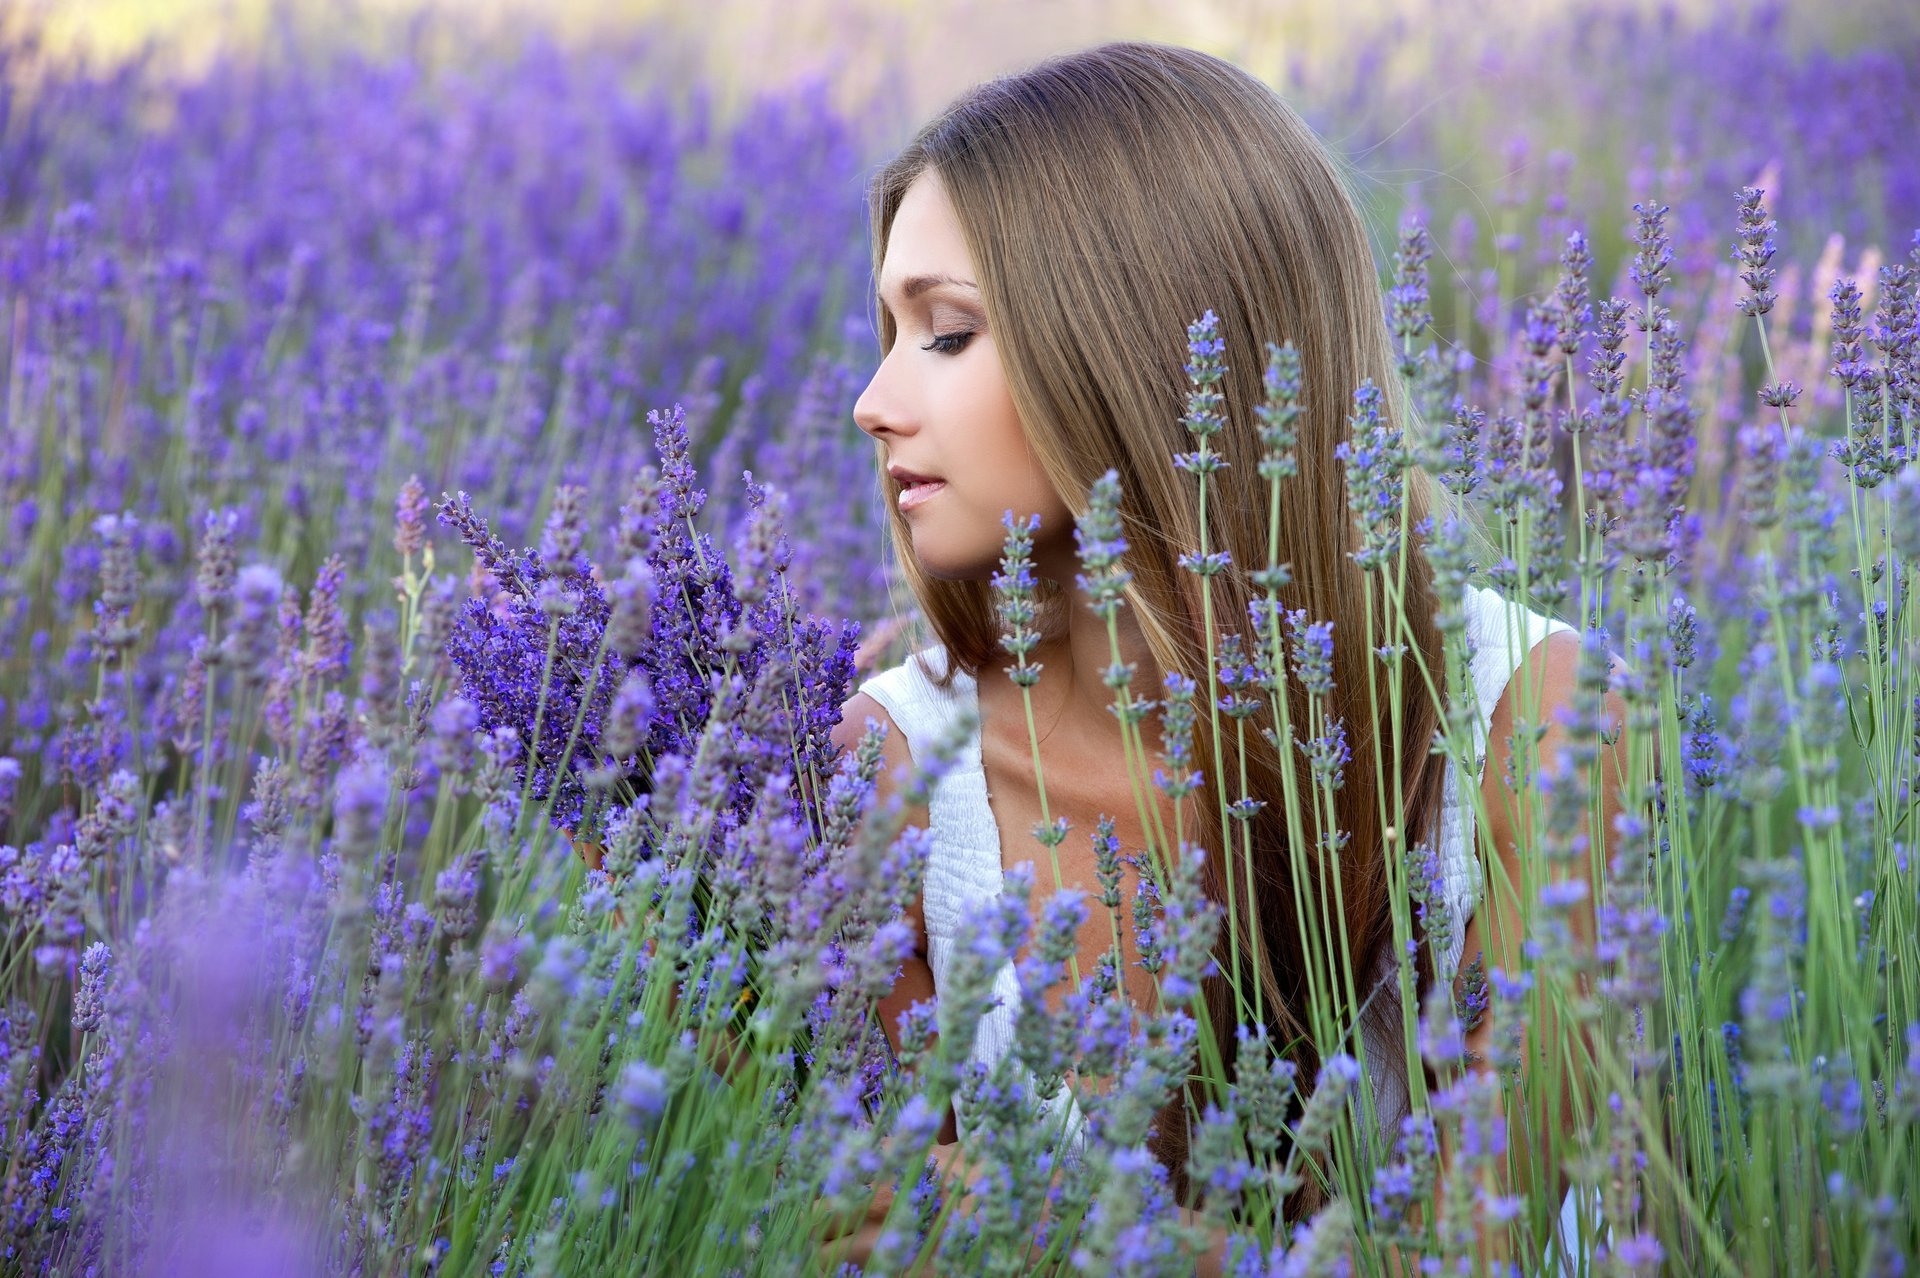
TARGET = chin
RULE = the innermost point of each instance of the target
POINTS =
(947, 567)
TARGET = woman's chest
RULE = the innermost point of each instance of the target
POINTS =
(1085, 782)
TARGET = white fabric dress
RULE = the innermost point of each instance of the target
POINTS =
(964, 865)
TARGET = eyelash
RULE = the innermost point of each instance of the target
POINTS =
(954, 342)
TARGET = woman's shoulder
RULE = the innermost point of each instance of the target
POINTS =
(913, 687)
(905, 698)
(920, 719)
(1495, 618)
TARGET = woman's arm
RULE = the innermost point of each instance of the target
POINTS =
(915, 981)
(914, 984)
(1553, 671)
(1494, 931)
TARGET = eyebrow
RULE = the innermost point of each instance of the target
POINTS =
(915, 285)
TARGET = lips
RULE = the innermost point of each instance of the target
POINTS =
(909, 478)
(915, 494)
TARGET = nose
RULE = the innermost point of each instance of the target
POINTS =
(878, 409)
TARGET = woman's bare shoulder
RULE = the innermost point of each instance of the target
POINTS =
(896, 758)
(896, 763)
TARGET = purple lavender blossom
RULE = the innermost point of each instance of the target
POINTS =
(1753, 249)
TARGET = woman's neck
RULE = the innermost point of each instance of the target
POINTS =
(1072, 691)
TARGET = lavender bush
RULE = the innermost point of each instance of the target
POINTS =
(302, 973)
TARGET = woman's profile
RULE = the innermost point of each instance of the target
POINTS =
(1040, 248)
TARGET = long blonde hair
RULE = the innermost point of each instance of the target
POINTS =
(1108, 198)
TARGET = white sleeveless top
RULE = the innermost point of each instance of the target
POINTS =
(964, 865)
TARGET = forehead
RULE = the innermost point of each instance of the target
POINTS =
(925, 247)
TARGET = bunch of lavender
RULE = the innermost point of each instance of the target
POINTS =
(595, 691)
(373, 1029)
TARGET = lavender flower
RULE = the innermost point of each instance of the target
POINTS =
(1458, 463)
(1320, 1247)
(1403, 1186)
(1103, 547)
(328, 648)
(1177, 721)
(213, 580)
(410, 518)
(1328, 754)
(1850, 365)
(1281, 408)
(1312, 653)
(115, 632)
(1407, 296)
(90, 996)
(1570, 309)
(1753, 249)
(1652, 260)
(1375, 461)
(1015, 585)
(643, 1095)
(1326, 1105)
(1903, 508)
(1205, 414)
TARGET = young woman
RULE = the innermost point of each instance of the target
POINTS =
(1040, 249)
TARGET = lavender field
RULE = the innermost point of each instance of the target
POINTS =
(438, 548)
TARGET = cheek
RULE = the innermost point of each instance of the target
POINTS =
(998, 446)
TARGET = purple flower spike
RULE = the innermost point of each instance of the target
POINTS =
(1753, 249)
(1652, 261)
(410, 518)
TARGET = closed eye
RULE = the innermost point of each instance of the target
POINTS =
(949, 343)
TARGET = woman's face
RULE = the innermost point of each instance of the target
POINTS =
(940, 403)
